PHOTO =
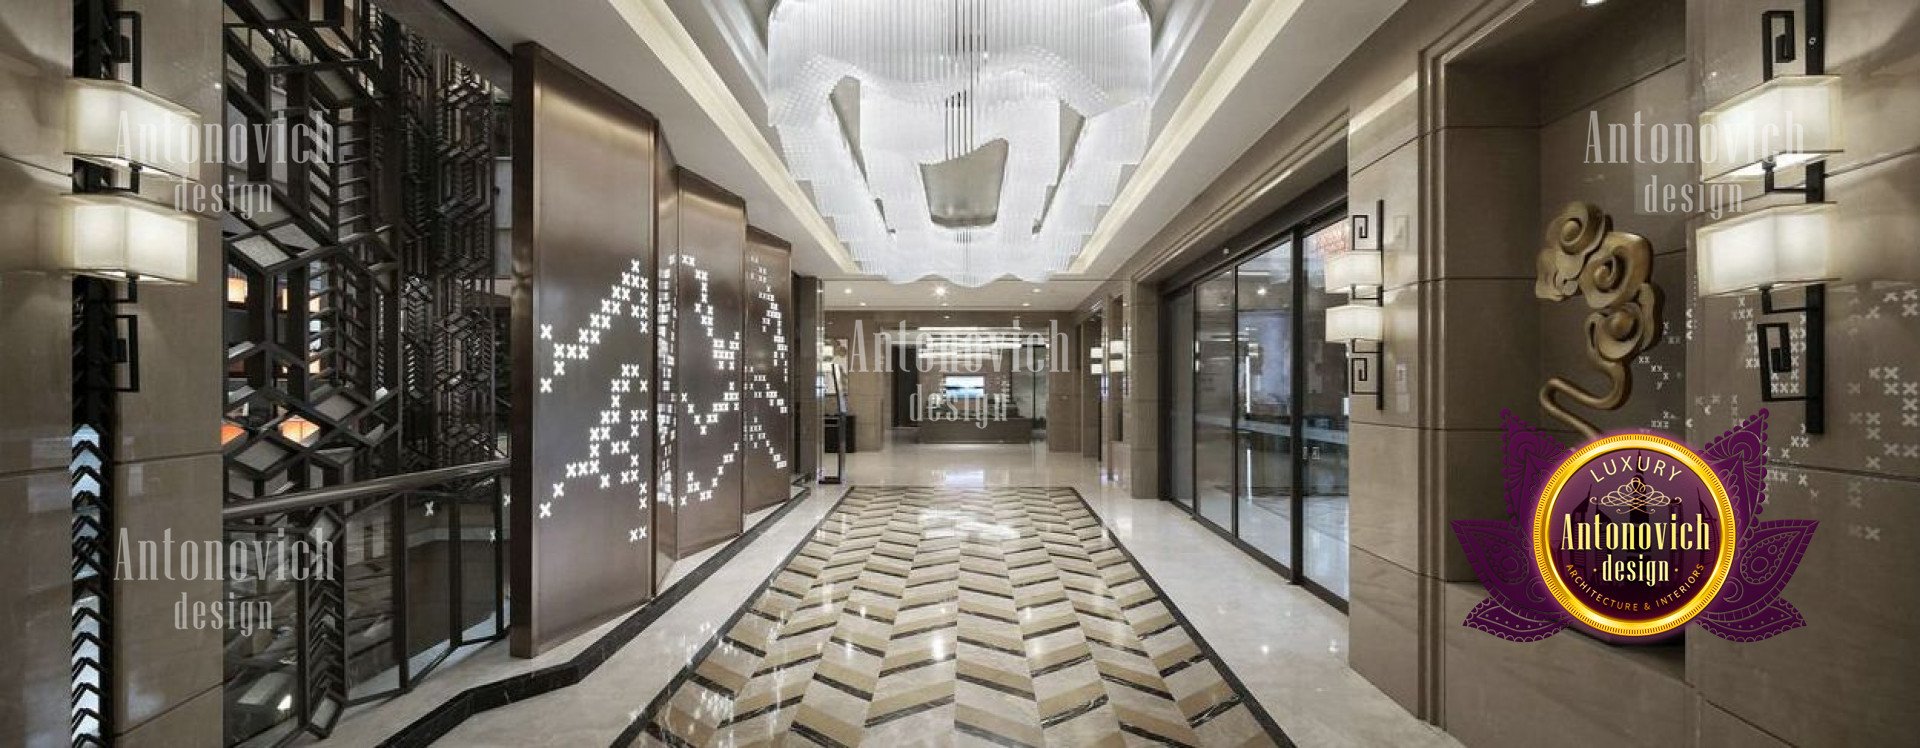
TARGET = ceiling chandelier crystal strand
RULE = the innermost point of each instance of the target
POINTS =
(964, 139)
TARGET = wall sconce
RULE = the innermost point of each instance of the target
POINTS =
(120, 237)
(1354, 269)
(119, 124)
(1786, 121)
(1779, 246)
(1361, 323)
(105, 230)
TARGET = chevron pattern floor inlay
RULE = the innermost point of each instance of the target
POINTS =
(944, 616)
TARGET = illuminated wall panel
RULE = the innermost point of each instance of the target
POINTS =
(767, 440)
(708, 287)
(583, 352)
(666, 539)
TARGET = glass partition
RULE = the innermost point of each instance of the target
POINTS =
(1324, 420)
(1213, 400)
(1265, 403)
(1262, 407)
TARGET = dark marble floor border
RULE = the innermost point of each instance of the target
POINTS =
(639, 723)
(1226, 673)
(444, 718)
(638, 726)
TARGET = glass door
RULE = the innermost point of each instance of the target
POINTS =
(1264, 406)
(1213, 400)
(1324, 421)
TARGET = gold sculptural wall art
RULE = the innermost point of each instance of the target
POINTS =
(1612, 271)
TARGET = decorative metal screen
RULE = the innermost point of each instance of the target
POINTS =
(361, 331)
(767, 373)
(708, 298)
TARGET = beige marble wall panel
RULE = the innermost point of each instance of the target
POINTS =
(1385, 627)
(162, 660)
(1568, 689)
(36, 524)
(1847, 678)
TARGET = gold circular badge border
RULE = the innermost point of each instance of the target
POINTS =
(1542, 525)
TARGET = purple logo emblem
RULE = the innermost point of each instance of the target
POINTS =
(1631, 537)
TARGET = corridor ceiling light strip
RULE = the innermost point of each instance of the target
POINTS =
(661, 30)
(1018, 118)
(1249, 38)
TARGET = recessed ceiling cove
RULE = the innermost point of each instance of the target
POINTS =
(962, 139)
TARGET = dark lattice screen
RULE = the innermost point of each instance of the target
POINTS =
(361, 330)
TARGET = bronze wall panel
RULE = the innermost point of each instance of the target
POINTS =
(709, 277)
(583, 352)
(666, 542)
(768, 437)
(806, 387)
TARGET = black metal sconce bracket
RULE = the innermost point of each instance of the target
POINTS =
(1773, 341)
(1365, 370)
(100, 48)
(1366, 365)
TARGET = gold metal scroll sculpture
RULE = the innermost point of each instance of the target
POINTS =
(1612, 271)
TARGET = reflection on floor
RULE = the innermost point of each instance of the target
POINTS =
(1287, 647)
(1004, 615)
(1266, 524)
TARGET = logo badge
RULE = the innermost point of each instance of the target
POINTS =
(1632, 537)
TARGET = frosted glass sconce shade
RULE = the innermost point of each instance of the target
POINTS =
(122, 125)
(1783, 245)
(120, 237)
(1791, 120)
(1353, 269)
(1353, 322)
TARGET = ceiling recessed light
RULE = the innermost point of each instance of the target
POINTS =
(1036, 290)
(863, 303)
(1026, 303)
(939, 290)
(846, 290)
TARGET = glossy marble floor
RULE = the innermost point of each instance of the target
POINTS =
(1287, 647)
(993, 616)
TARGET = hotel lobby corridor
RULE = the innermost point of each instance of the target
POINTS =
(1020, 373)
(896, 608)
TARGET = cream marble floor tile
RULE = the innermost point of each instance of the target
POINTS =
(1285, 645)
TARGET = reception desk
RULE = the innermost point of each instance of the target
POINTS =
(1010, 431)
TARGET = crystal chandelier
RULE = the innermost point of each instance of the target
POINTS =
(964, 139)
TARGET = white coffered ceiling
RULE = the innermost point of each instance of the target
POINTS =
(1225, 71)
